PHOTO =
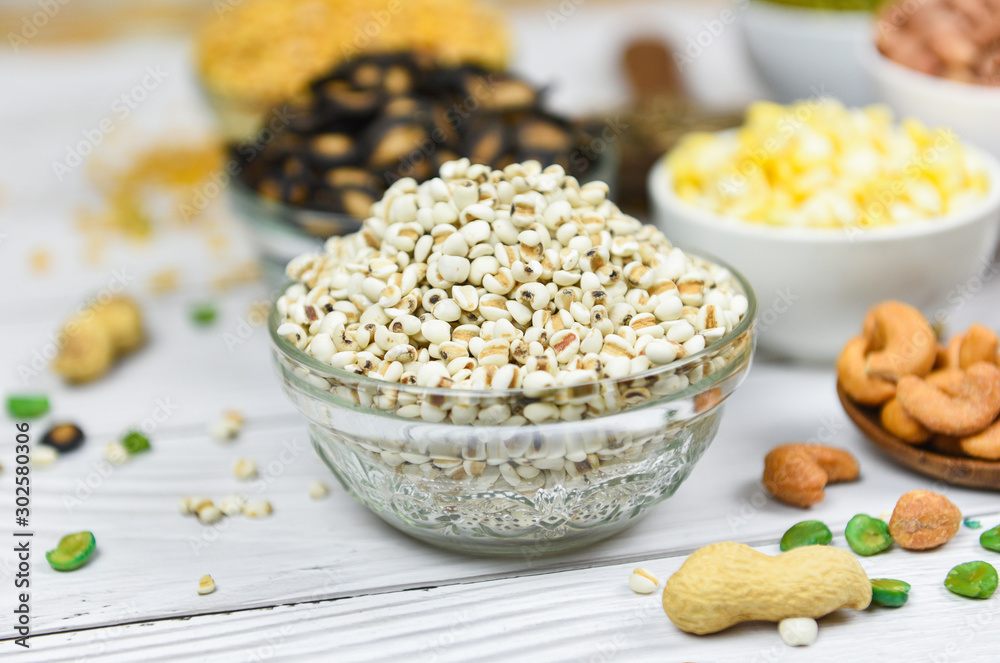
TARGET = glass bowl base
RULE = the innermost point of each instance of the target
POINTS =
(548, 512)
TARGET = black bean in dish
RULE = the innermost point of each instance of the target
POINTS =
(383, 117)
(64, 437)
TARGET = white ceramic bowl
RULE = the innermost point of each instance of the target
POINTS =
(972, 111)
(815, 285)
(803, 53)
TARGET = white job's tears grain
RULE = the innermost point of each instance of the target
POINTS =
(643, 582)
(550, 276)
(317, 489)
(798, 631)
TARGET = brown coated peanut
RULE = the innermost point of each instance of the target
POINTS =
(923, 519)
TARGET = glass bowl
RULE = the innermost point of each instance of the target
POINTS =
(467, 471)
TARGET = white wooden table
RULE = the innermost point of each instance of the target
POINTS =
(326, 580)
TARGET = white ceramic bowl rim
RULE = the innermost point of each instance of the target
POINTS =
(880, 64)
(662, 191)
(792, 15)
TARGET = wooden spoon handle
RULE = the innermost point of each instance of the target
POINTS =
(651, 71)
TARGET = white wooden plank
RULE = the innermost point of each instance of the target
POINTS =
(193, 369)
(190, 371)
(290, 557)
(580, 615)
(51, 296)
(55, 95)
(56, 99)
(147, 568)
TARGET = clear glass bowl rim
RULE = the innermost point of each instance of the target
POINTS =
(283, 346)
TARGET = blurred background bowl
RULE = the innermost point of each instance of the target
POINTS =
(972, 111)
(803, 52)
(815, 285)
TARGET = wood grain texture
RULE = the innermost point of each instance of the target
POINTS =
(56, 101)
(184, 377)
(320, 550)
(333, 552)
(335, 548)
(581, 615)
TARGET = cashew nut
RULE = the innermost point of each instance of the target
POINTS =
(948, 380)
(948, 354)
(979, 343)
(796, 474)
(901, 342)
(728, 583)
(971, 409)
(985, 445)
(895, 420)
(862, 388)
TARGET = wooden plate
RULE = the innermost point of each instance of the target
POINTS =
(970, 472)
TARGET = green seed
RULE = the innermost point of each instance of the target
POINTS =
(972, 524)
(72, 552)
(889, 593)
(866, 535)
(806, 533)
(27, 406)
(203, 314)
(135, 442)
(976, 580)
(990, 539)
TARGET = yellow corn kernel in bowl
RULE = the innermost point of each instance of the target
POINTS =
(817, 163)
